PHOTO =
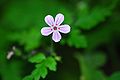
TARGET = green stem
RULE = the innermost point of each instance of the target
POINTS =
(52, 49)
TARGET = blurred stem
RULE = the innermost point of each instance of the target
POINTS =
(52, 47)
(52, 51)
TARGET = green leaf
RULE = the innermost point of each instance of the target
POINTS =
(115, 76)
(37, 58)
(41, 68)
(76, 39)
(43, 71)
(51, 63)
(28, 78)
(40, 71)
(93, 18)
(36, 74)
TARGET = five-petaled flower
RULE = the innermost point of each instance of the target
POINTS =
(55, 27)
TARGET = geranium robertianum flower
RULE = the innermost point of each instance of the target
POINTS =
(55, 27)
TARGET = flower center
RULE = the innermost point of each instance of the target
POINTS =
(55, 28)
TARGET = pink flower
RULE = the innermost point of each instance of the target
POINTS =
(55, 27)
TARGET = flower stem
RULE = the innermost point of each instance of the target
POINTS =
(52, 49)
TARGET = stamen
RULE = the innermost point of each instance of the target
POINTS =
(55, 28)
(52, 25)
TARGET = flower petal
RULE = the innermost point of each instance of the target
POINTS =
(64, 28)
(49, 20)
(56, 36)
(46, 31)
(59, 19)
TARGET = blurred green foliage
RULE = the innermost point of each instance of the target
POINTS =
(89, 65)
(93, 40)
